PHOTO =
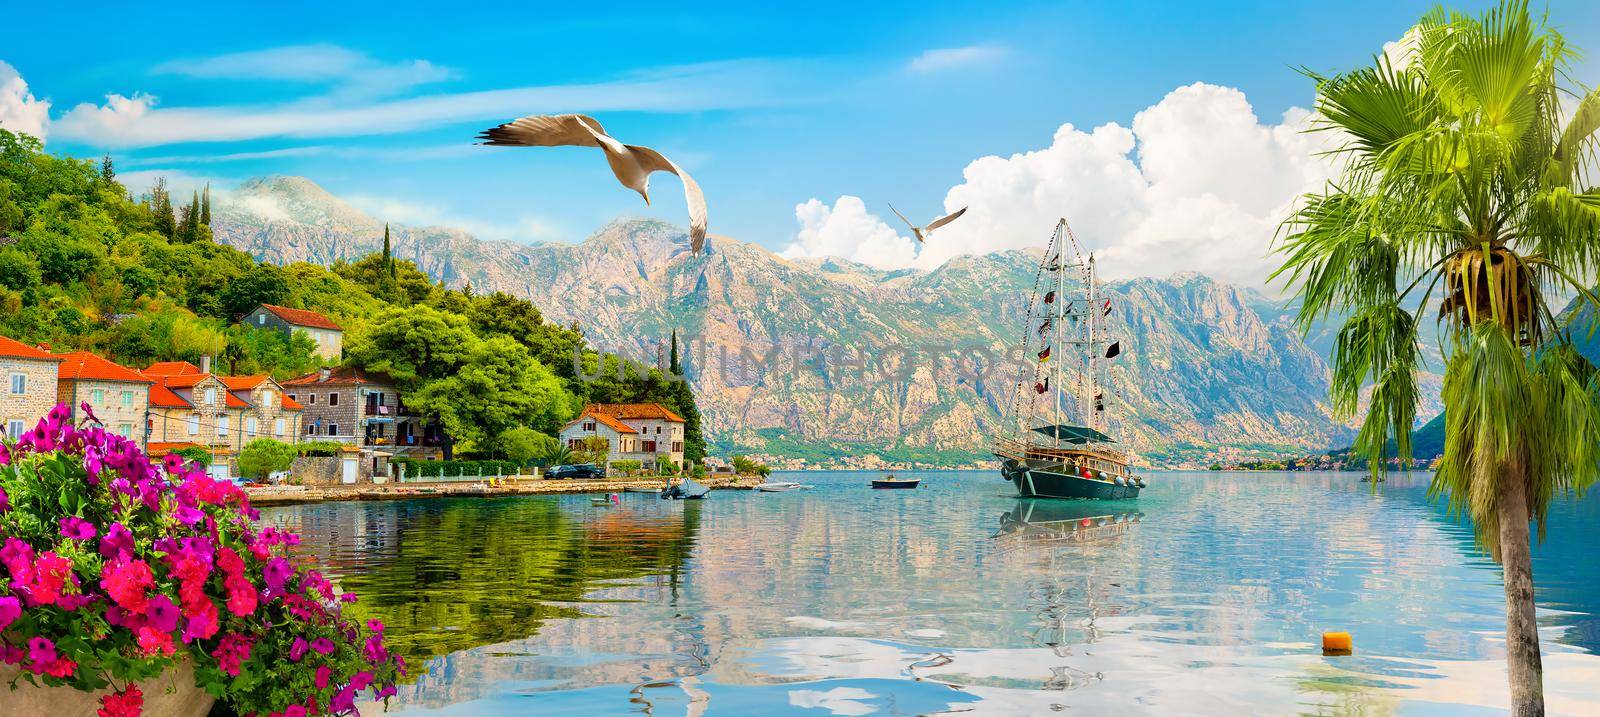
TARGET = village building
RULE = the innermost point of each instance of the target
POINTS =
(328, 336)
(119, 396)
(189, 405)
(362, 408)
(30, 374)
(644, 432)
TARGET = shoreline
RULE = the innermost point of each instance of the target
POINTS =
(487, 488)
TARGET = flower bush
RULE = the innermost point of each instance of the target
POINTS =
(117, 568)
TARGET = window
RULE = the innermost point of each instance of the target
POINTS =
(333, 399)
(333, 429)
(293, 397)
(194, 425)
(19, 383)
(14, 428)
(267, 397)
(261, 319)
(222, 425)
(677, 446)
(98, 397)
(125, 430)
(127, 399)
(211, 396)
(649, 446)
(658, 430)
(250, 425)
(277, 427)
(589, 426)
(311, 429)
(311, 399)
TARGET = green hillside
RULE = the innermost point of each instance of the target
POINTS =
(85, 266)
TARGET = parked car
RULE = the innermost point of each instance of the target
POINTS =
(580, 471)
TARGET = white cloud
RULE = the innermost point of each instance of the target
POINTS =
(953, 57)
(848, 230)
(135, 122)
(354, 73)
(20, 111)
(179, 182)
(1197, 183)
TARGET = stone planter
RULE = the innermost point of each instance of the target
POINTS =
(171, 694)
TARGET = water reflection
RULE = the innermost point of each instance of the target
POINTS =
(1204, 596)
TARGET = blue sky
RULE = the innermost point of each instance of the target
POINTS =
(767, 106)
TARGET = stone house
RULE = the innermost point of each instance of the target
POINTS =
(189, 405)
(361, 408)
(328, 336)
(268, 411)
(29, 391)
(118, 395)
(641, 432)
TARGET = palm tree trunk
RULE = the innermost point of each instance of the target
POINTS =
(1522, 630)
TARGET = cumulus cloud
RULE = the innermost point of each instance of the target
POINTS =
(355, 73)
(1196, 182)
(20, 111)
(849, 231)
(952, 57)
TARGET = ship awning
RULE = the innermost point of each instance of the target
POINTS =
(1075, 434)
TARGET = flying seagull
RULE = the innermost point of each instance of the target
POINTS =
(631, 163)
(923, 232)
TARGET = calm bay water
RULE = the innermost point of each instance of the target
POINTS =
(1205, 596)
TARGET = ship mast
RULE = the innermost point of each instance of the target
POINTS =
(1059, 323)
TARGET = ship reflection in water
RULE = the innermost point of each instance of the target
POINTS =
(1204, 596)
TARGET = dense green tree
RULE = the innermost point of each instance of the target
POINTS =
(260, 284)
(160, 204)
(108, 170)
(498, 386)
(501, 314)
(19, 271)
(205, 207)
(1462, 175)
(523, 444)
(414, 345)
(397, 281)
(264, 456)
(694, 440)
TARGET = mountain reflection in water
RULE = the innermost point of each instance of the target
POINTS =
(1206, 595)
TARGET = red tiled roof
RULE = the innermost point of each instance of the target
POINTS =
(635, 410)
(82, 365)
(302, 317)
(242, 383)
(608, 420)
(341, 376)
(233, 400)
(292, 404)
(188, 380)
(156, 449)
(13, 348)
(163, 397)
(172, 368)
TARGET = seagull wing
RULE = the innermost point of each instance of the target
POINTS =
(941, 221)
(902, 217)
(652, 161)
(545, 131)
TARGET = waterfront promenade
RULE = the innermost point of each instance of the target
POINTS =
(485, 487)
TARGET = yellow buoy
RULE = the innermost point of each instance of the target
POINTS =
(1336, 643)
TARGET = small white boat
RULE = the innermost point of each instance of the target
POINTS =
(779, 487)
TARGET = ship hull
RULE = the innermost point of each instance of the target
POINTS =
(1054, 481)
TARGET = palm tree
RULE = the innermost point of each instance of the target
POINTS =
(1460, 176)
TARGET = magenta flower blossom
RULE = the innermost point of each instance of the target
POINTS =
(322, 645)
(5, 499)
(41, 650)
(117, 544)
(10, 610)
(75, 528)
(297, 649)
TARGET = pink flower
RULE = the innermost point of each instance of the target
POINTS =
(10, 610)
(50, 576)
(297, 649)
(117, 543)
(87, 411)
(232, 652)
(276, 573)
(324, 676)
(295, 711)
(5, 500)
(61, 667)
(155, 642)
(75, 528)
(41, 651)
(322, 645)
(127, 703)
(127, 583)
(202, 622)
(162, 614)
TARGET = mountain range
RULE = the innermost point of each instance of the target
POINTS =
(823, 359)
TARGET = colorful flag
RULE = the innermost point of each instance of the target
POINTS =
(1042, 387)
(1114, 349)
(1106, 311)
(1050, 298)
(1099, 402)
(1044, 355)
(1044, 327)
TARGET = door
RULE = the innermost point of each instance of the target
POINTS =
(351, 466)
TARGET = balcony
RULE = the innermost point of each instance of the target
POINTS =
(383, 410)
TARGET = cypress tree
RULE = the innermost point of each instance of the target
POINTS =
(161, 209)
(388, 257)
(205, 206)
(108, 171)
(694, 441)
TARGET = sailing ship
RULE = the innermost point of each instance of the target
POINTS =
(1058, 445)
